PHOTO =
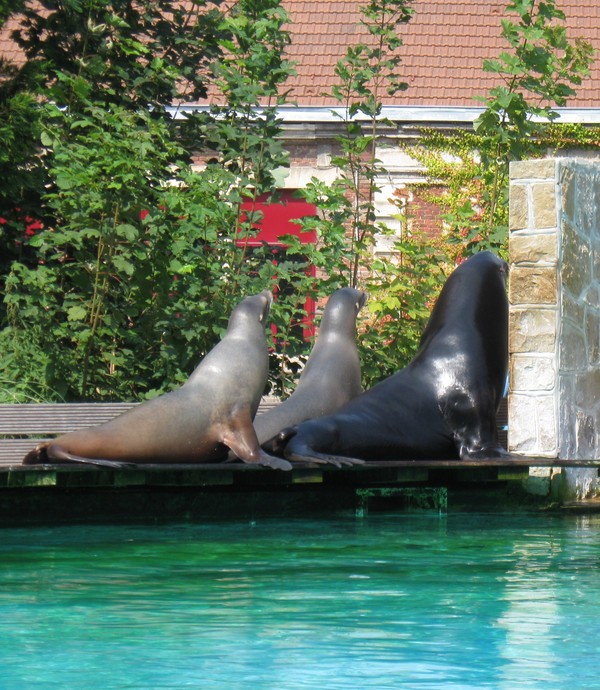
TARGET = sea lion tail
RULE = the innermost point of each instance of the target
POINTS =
(279, 442)
(37, 456)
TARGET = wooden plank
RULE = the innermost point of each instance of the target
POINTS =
(238, 477)
(367, 468)
(56, 418)
(36, 422)
(60, 418)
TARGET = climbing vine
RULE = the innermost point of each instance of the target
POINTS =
(539, 70)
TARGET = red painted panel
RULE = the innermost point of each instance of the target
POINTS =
(276, 222)
(277, 218)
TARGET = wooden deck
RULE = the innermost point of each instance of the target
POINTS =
(78, 493)
(221, 474)
(38, 494)
(23, 426)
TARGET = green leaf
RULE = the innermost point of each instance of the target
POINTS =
(123, 264)
(47, 140)
(76, 313)
(129, 232)
(65, 181)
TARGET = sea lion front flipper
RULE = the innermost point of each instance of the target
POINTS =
(239, 435)
(490, 452)
(57, 453)
(473, 427)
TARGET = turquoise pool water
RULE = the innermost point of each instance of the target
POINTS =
(452, 602)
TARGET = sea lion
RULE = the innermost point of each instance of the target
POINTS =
(331, 375)
(210, 413)
(443, 404)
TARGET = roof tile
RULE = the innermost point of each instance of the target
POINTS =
(445, 44)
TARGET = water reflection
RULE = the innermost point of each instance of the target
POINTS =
(531, 615)
(388, 602)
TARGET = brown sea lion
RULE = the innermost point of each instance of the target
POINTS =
(443, 404)
(211, 413)
(331, 375)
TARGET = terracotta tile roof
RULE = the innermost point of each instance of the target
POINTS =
(444, 46)
(8, 49)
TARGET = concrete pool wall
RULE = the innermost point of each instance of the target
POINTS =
(554, 328)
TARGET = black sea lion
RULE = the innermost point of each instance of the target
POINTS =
(331, 375)
(210, 413)
(443, 404)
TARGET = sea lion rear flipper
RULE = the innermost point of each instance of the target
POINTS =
(49, 453)
(37, 456)
(321, 459)
(298, 450)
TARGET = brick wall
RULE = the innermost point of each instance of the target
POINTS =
(422, 214)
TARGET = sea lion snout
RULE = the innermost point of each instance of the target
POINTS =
(362, 300)
(267, 296)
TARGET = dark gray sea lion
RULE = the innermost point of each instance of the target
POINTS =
(331, 375)
(443, 404)
(211, 413)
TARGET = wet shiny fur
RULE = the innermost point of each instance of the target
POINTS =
(443, 404)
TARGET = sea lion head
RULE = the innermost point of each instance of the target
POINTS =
(342, 309)
(251, 311)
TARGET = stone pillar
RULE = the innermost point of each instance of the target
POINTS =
(554, 295)
(533, 298)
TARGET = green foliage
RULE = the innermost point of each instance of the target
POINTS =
(403, 283)
(131, 54)
(20, 129)
(125, 275)
(402, 290)
(564, 136)
(539, 71)
(8, 7)
(367, 72)
(120, 263)
(244, 130)
(101, 276)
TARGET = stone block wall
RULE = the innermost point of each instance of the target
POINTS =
(554, 295)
